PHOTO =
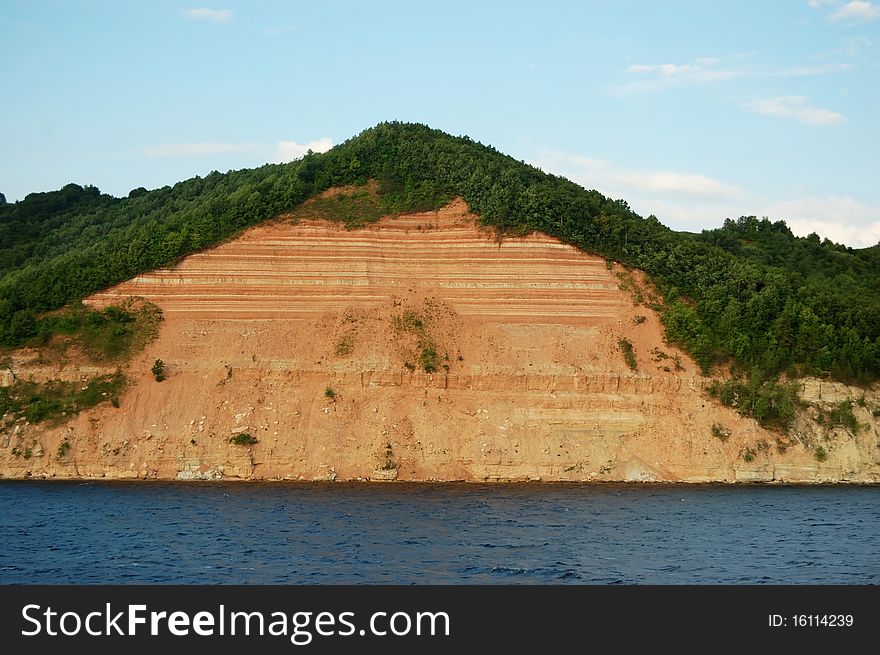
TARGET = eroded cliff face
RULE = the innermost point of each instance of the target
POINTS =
(314, 340)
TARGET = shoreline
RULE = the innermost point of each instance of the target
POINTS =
(441, 483)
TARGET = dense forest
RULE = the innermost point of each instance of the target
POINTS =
(750, 294)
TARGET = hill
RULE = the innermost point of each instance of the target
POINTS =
(754, 307)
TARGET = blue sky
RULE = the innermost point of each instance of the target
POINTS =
(693, 111)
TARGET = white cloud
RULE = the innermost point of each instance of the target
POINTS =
(795, 107)
(178, 150)
(289, 150)
(618, 181)
(694, 202)
(212, 15)
(856, 12)
(688, 184)
(841, 219)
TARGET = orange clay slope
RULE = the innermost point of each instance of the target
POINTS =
(313, 340)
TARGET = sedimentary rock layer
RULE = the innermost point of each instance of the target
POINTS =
(305, 270)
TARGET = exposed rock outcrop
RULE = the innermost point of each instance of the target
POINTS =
(315, 339)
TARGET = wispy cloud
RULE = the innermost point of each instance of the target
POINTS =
(795, 107)
(653, 77)
(615, 180)
(280, 29)
(179, 150)
(656, 77)
(286, 151)
(211, 15)
(850, 47)
(805, 71)
(855, 44)
(815, 4)
(856, 12)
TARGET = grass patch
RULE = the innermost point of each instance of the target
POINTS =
(627, 283)
(629, 354)
(109, 334)
(242, 439)
(360, 206)
(409, 321)
(56, 400)
(354, 209)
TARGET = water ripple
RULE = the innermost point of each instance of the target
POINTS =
(443, 534)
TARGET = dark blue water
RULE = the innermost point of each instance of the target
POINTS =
(370, 533)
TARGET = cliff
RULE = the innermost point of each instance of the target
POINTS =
(419, 348)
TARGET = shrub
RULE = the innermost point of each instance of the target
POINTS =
(389, 463)
(772, 403)
(820, 454)
(330, 394)
(720, 432)
(63, 449)
(158, 370)
(429, 358)
(344, 346)
(840, 416)
(243, 439)
(628, 351)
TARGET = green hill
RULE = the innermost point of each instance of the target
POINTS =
(750, 295)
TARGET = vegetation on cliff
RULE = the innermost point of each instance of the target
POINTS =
(750, 295)
(55, 400)
(102, 337)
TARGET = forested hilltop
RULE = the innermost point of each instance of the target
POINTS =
(749, 295)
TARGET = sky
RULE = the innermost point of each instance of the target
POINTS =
(694, 111)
